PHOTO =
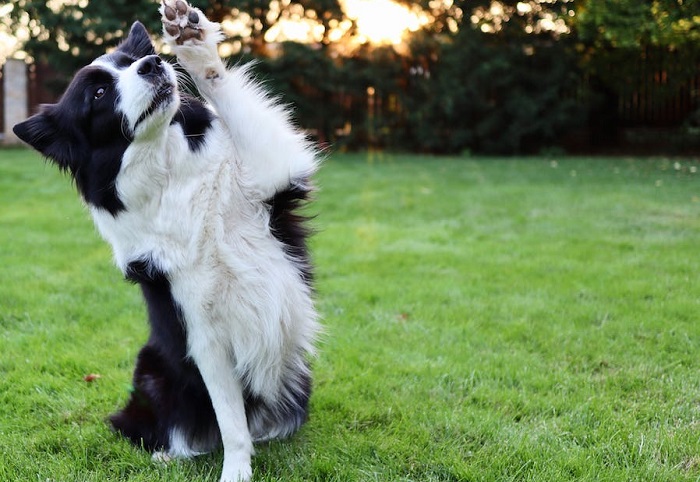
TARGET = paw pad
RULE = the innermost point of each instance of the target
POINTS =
(181, 21)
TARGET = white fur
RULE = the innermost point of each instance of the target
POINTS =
(179, 448)
(136, 95)
(199, 216)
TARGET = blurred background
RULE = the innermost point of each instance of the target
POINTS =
(432, 76)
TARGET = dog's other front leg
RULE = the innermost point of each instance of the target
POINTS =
(226, 392)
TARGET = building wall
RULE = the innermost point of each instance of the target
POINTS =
(16, 105)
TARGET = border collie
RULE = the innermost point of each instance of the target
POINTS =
(199, 200)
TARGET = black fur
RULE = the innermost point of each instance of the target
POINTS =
(168, 390)
(137, 44)
(81, 134)
(289, 413)
(290, 227)
(195, 119)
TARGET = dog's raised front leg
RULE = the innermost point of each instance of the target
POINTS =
(270, 150)
(194, 40)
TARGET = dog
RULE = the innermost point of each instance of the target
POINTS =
(199, 198)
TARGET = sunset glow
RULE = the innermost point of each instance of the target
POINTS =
(378, 22)
(374, 22)
(383, 21)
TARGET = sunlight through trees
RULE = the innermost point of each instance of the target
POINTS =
(444, 75)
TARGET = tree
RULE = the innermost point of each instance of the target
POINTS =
(634, 24)
(71, 34)
(653, 47)
(497, 76)
(492, 93)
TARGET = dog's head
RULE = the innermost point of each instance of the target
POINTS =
(122, 96)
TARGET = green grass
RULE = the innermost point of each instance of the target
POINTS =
(487, 320)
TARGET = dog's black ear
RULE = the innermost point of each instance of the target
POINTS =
(138, 44)
(42, 132)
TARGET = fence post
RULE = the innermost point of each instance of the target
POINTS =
(16, 97)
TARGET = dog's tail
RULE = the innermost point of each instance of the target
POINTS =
(283, 416)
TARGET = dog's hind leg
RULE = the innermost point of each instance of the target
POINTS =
(169, 409)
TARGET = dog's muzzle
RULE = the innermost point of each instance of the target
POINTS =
(151, 67)
(152, 70)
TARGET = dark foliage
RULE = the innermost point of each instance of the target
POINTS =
(501, 85)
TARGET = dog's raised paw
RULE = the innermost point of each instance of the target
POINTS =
(181, 21)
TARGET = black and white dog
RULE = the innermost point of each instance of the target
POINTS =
(199, 200)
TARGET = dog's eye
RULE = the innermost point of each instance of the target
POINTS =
(99, 93)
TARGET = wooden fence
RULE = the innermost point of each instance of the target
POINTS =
(662, 89)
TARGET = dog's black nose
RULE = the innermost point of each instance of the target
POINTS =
(150, 66)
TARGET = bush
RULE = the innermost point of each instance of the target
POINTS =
(472, 92)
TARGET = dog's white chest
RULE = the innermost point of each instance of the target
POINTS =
(166, 196)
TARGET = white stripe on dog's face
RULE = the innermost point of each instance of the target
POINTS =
(148, 96)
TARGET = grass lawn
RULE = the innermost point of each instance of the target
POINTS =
(487, 320)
